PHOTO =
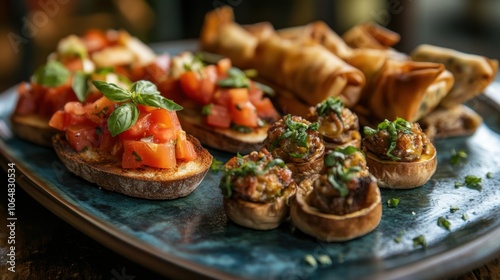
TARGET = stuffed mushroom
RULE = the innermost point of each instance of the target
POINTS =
(256, 189)
(297, 142)
(337, 125)
(399, 154)
(341, 203)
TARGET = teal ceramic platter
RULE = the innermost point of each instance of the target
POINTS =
(192, 236)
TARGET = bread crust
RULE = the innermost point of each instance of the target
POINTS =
(33, 128)
(149, 183)
(335, 228)
(402, 175)
(222, 139)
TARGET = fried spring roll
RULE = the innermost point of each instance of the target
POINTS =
(320, 33)
(473, 73)
(406, 89)
(311, 72)
(221, 35)
(370, 35)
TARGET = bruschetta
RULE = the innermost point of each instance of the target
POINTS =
(223, 108)
(114, 56)
(130, 141)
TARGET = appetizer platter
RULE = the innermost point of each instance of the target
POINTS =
(265, 171)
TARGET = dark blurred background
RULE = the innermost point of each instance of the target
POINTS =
(30, 29)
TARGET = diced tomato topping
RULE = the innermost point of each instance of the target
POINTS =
(170, 88)
(99, 110)
(223, 65)
(218, 116)
(137, 131)
(244, 114)
(81, 136)
(54, 99)
(158, 123)
(106, 141)
(264, 106)
(199, 87)
(73, 63)
(164, 117)
(255, 94)
(61, 120)
(95, 40)
(184, 150)
(238, 95)
(266, 110)
(155, 71)
(28, 101)
(137, 154)
(222, 97)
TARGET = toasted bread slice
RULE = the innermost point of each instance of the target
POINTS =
(150, 183)
(33, 128)
(228, 140)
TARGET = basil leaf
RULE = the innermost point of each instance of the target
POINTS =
(144, 87)
(80, 85)
(112, 91)
(158, 101)
(51, 74)
(122, 118)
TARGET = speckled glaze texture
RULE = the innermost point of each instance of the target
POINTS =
(195, 229)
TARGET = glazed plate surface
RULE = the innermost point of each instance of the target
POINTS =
(192, 235)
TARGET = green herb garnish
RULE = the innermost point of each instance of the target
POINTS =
(337, 174)
(297, 133)
(216, 165)
(265, 88)
(457, 157)
(454, 208)
(331, 104)
(126, 114)
(398, 238)
(339, 154)
(207, 109)
(236, 79)
(137, 156)
(399, 125)
(80, 85)
(246, 168)
(419, 241)
(393, 202)
(241, 128)
(52, 74)
(444, 223)
(489, 175)
(472, 182)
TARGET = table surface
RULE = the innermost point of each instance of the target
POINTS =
(49, 248)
